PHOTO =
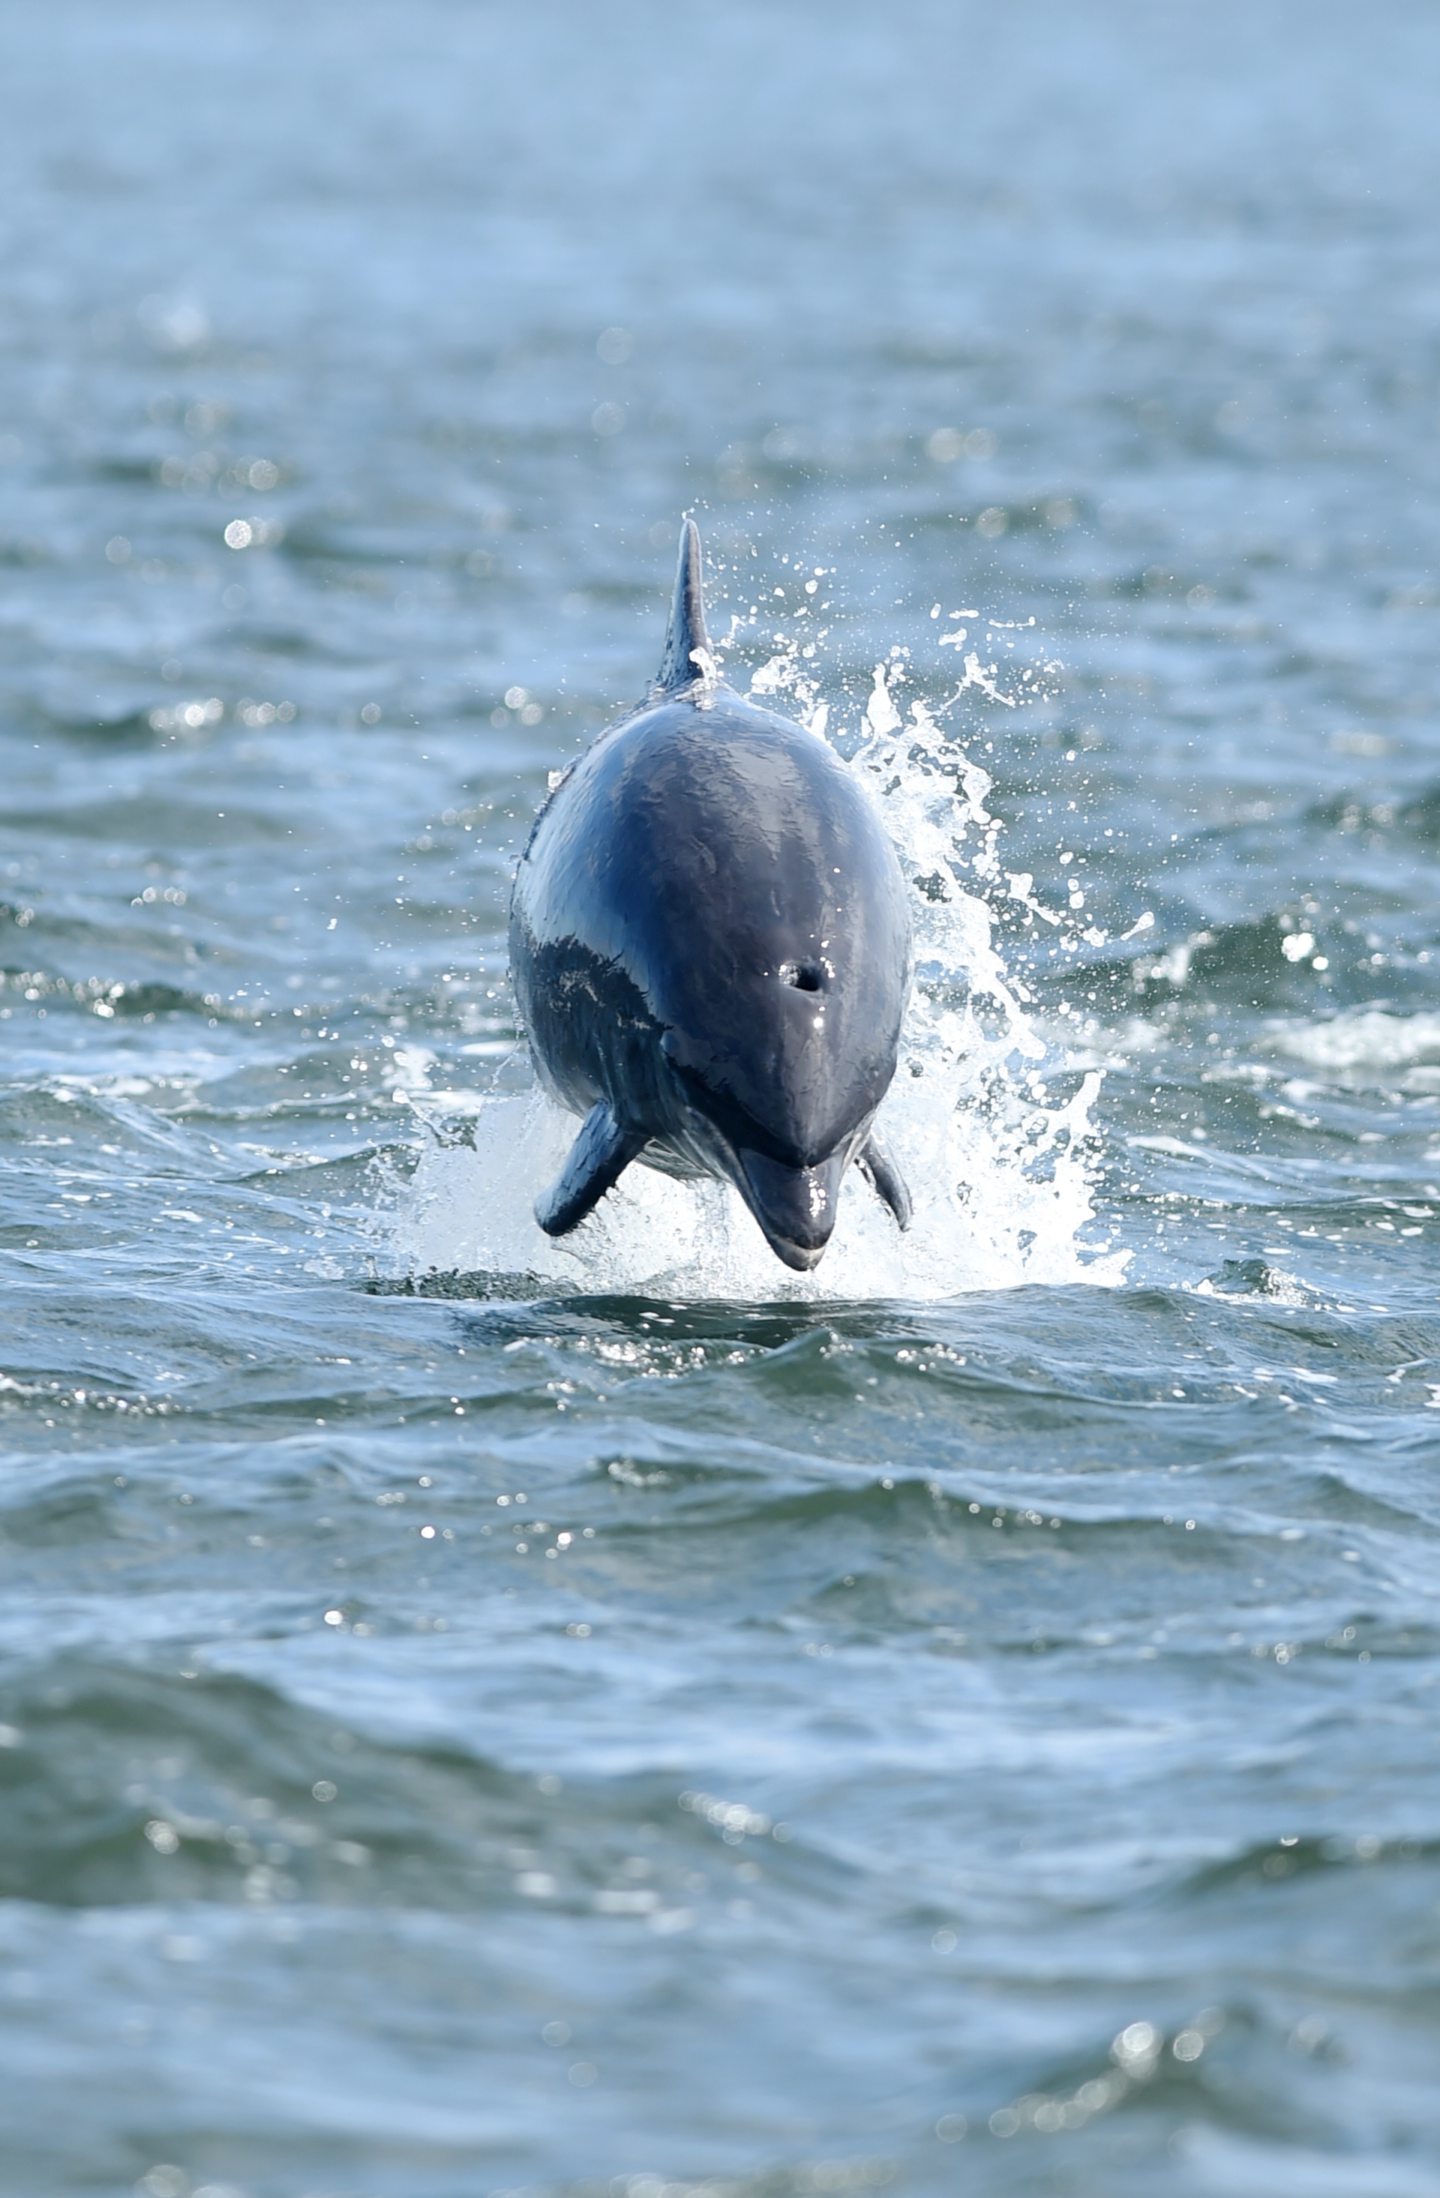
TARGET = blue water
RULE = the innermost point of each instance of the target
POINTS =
(480, 1720)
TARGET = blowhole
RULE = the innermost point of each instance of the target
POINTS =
(804, 976)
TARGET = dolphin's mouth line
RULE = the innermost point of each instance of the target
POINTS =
(794, 1206)
(713, 1153)
(804, 1260)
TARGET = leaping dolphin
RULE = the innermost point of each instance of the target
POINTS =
(710, 945)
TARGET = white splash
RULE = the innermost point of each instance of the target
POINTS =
(999, 1166)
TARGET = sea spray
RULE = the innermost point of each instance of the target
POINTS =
(990, 1127)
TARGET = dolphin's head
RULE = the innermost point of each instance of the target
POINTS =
(769, 1102)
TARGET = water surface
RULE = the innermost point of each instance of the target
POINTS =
(477, 1720)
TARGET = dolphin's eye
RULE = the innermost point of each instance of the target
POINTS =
(804, 976)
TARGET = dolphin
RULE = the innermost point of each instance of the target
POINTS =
(711, 953)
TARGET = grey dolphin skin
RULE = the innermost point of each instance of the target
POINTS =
(710, 944)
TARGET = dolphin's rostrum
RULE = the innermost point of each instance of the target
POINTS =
(710, 942)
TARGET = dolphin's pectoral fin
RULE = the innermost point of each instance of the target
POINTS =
(598, 1158)
(884, 1178)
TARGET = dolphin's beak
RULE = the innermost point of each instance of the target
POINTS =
(795, 1207)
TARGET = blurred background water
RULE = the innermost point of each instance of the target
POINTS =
(554, 1735)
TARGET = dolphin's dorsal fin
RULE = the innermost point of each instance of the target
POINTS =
(688, 656)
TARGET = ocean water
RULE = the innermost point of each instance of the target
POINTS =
(479, 1716)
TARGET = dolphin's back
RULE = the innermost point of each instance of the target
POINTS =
(713, 872)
